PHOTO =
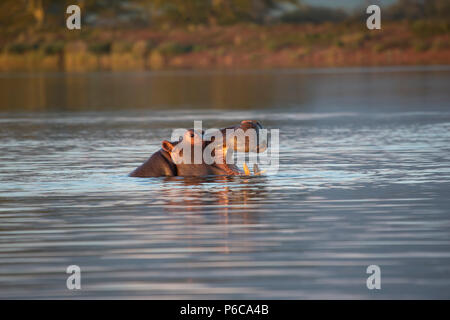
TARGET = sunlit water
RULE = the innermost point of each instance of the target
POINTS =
(364, 179)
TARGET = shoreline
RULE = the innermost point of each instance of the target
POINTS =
(323, 59)
(230, 47)
(229, 71)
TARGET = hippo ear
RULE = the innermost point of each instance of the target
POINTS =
(167, 146)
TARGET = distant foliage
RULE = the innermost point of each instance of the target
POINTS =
(210, 11)
(418, 9)
(52, 48)
(19, 48)
(311, 14)
(26, 16)
(426, 28)
(100, 47)
(174, 48)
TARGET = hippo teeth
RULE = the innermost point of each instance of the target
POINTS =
(246, 170)
(256, 170)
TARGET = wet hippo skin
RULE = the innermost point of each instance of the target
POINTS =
(162, 163)
(159, 164)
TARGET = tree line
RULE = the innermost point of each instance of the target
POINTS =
(21, 15)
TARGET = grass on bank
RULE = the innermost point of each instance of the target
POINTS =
(241, 45)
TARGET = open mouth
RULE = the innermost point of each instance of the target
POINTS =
(233, 169)
(245, 171)
(249, 138)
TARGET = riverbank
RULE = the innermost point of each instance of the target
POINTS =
(229, 47)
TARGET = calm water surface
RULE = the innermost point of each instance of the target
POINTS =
(364, 179)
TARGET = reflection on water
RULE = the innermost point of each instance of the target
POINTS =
(356, 186)
(195, 192)
(399, 88)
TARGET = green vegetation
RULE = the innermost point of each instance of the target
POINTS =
(310, 14)
(157, 34)
(19, 48)
(174, 48)
(53, 48)
(427, 28)
(100, 47)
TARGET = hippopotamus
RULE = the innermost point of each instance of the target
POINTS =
(170, 161)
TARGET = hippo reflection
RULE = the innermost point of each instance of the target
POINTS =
(225, 202)
(220, 194)
(171, 161)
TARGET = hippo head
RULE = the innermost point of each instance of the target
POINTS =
(211, 153)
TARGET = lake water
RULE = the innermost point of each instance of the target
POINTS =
(364, 179)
